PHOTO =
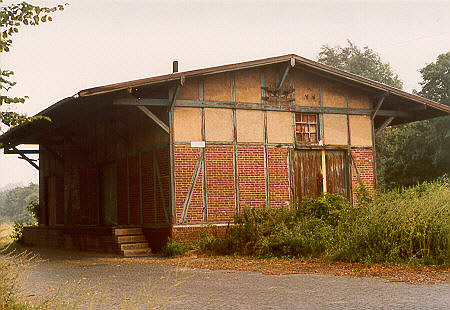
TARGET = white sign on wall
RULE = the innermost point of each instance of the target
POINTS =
(197, 143)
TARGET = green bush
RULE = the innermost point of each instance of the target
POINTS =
(411, 225)
(174, 248)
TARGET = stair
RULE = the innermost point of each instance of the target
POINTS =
(132, 241)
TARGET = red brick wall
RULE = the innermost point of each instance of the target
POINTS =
(185, 159)
(220, 183)
(252, 182)
(192, 233)
(278, 176)
(363, 158)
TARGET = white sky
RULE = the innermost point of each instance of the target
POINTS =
(94, 43)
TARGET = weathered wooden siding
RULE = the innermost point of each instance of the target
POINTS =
(117, 136)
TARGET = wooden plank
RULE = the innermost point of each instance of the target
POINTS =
(324, 171)
(286, 108)
(337, 172)
(141, 102)
(161, 191)
(307, 174)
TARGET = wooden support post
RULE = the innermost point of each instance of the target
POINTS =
(324, 172)
(204, 184)
(321, 125)
(173, 207)
(349, 155)
(384, 125)
(154, 118)
(235, 153)
(266, 155)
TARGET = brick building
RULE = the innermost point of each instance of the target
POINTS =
(170, 154)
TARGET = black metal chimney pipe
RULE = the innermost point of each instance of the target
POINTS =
(175, 66)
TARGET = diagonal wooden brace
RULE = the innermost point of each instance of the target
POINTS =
(192, 186)
(154, 118)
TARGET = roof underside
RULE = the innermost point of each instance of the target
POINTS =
(87, 102)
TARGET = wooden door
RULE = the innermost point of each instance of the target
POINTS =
(308, 174)
(337, 180)
(108, 188)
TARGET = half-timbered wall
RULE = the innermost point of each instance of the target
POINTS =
(228, 157)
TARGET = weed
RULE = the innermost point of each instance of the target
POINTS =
(174, 248)
(411, 225)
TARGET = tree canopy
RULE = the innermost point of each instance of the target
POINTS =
(14, 202)
(364, 62)
(411, 153)
(12, 17)
(419, 151)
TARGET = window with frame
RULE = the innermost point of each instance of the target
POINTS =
(306, 128)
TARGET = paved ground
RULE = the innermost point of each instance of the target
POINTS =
(115, 283)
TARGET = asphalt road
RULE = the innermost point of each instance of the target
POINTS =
(98, 282)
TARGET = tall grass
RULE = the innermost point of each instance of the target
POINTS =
(411, 226)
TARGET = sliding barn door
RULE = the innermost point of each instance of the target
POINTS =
(337, 172)
(309, 175)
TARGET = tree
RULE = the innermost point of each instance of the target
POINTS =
(363, 62)
(419, 151)
(11, 18)
(14, 203)
(411, 153)
(436, 80)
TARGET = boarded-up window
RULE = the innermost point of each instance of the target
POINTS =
(306, 128)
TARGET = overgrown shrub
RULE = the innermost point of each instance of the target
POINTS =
(411, 225)
(174, 248)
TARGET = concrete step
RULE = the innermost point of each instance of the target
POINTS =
(131, 239)
(128, 231)
(134, 246)
(137, 252)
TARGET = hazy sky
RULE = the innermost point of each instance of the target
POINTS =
(94, 43)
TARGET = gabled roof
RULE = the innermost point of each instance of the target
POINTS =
(396, 98)
(301, 61)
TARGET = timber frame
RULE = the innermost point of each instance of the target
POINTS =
(159, 99)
